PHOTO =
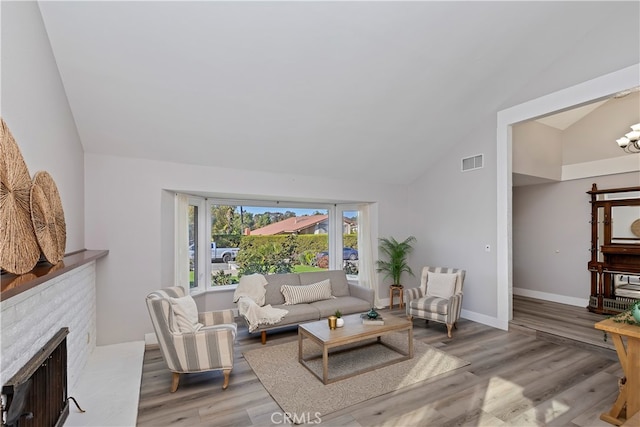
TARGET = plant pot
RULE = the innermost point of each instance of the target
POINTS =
(339, 322)
(635, 312)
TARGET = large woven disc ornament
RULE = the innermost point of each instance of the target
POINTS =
(43, 222)
(635, 227)
(19, 250)
(48, 217)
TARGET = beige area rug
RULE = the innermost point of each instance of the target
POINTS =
(298, 391)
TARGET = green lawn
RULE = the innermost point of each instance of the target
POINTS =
(306, 268)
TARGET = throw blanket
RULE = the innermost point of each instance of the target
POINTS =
(256, 315)
(251, 286)
(250, 298)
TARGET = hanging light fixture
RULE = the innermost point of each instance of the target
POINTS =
(630, 141)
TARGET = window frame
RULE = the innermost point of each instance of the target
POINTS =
(204, 204)
(340, 211)
(200, 249)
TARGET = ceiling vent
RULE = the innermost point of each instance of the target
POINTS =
(473, 162)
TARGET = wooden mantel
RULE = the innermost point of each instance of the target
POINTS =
(11, 284)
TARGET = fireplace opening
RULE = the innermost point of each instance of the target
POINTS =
(37, 394)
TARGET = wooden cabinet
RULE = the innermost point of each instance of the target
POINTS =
(615, 246)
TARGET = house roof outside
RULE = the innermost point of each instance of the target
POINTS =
(294, 224)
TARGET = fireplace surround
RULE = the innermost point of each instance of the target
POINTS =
(30, 318)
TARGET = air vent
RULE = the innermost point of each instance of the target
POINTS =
(473, 162)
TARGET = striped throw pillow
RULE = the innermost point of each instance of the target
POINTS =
(307, 293)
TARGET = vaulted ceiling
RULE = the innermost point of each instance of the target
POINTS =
(338, 89)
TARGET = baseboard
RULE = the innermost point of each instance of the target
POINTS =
(545, 296)
(150, 340)
(484, 319)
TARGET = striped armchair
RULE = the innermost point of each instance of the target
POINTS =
(442, 305)
(209, 348)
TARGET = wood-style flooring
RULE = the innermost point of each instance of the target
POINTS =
(551, 320)
(516, 378)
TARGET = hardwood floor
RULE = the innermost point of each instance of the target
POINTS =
(559, 321)
(516, 378)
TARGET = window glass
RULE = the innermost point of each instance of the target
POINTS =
(250, 238)
(350, 255)
(193, 245)
(228, 239)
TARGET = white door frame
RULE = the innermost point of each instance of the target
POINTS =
(583, 93)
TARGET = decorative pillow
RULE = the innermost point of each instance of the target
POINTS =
(441, 285)
(185, 314)
(307, 293)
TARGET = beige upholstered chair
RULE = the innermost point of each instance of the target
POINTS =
(439, 296)
(190, 341)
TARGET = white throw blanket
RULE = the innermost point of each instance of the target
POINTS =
(250, 295)
(251, 286)
(256, 315)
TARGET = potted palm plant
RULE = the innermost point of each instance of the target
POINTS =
(396, 258)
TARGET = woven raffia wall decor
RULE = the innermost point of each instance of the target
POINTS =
(48, 217)
(19, 250)
(635, 227)
(31, 215)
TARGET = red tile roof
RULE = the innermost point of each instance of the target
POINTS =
(289, 225)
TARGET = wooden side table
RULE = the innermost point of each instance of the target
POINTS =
(392, 291)
(627, 405)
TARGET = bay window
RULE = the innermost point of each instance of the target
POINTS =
(224, 239)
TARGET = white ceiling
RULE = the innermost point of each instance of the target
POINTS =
(376, 90)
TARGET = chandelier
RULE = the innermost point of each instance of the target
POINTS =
(629, 142)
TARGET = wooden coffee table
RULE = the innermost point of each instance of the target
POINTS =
(353, 331)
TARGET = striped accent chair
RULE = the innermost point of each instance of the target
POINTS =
(209, 348)
(442, 305)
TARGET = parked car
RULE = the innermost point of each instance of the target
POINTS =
(224, 254)
(347, 254)
(350, 254)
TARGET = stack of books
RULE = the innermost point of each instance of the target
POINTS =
(368, 321)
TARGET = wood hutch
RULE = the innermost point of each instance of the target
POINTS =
(615, 249)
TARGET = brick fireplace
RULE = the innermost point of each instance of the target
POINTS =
(32, 318)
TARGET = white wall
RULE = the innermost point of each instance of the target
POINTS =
(130, 213)
(452, 216)
(35, 108)
(537, 150)
(552, 237)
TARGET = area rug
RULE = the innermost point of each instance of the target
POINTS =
(298, 391)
